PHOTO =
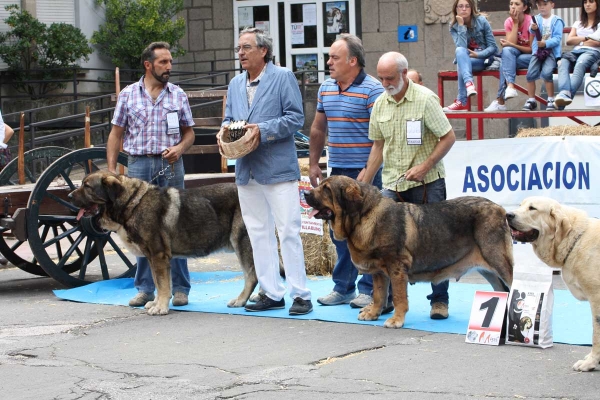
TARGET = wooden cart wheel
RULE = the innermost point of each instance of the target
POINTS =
(55, 235)
(36, 161)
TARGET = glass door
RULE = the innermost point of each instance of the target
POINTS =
(311, 26)
(257, 14)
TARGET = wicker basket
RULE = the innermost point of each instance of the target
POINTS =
(235, 149)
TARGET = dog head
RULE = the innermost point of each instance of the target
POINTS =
(342, 201)
(96, 190)
(544, 223)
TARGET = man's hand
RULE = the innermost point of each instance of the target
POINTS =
(172, 154)
(416, 173)
(219, 136)
(253, 133)
(315, 174)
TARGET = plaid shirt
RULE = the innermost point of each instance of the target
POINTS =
(145, 120)
(388, 122)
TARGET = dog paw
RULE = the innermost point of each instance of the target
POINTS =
(394, 322)
(235, 303)
(155, 309)
(589, 363)
(366, 315)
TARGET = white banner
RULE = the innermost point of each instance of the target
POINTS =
(508, 170)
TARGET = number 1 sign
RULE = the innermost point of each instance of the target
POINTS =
(487, 316)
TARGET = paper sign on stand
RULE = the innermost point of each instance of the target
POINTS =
(487, 316)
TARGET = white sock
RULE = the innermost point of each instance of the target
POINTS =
(531, 99)
(550, 99)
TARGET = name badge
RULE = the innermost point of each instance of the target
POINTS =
(414, 133)
(172, 123)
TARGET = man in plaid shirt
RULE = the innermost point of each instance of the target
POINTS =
(411, 135)
(154, 121)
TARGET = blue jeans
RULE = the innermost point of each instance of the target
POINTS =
(465, 67)
(569, 85)
(436, 192)
(147, 168)
(512, 59)
(344, 272)
(538, 68)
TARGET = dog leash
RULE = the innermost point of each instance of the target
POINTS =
(162, 171)
(401, 179)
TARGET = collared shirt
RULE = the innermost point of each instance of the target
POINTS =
(348, 113)
(251, 86)
(145, 120)
(388, 122)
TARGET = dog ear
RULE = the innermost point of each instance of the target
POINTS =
(352, 198)
(113, 187)
(562, 224)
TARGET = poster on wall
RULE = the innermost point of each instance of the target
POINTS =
(245, 16)
(337, 16)
(309, 14)
(298, 33)
(262, 25)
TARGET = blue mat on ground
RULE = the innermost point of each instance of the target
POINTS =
(212, 290)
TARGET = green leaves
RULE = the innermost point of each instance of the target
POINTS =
(33, 51)
(131, 25)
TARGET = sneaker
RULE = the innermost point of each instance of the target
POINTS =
(529, 105)
(495, 106)
(562, 100)
(471, 91)
(301, 306)
(265, 303)
(334, 298)
(510, 93)
(389, 307)
(140, 299)
(456, 106)
(362, 300)
(180, 299)
(439, 311)
(550, 106)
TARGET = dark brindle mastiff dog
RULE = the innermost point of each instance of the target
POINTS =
(161, 223)
(410, 243)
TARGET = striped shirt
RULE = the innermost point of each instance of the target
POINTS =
(145, 120)
(388, 123)
(348, 114)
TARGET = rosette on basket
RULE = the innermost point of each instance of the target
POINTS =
(234, 141)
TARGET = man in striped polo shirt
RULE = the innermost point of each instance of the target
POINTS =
(411, 135)
(344, 108)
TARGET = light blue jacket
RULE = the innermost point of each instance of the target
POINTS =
(277, 109)
(481, 32)
(555, 41)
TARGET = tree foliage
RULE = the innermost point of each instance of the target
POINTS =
(34, 51)
(131, 25)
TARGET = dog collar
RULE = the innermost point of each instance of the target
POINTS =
(572, 247)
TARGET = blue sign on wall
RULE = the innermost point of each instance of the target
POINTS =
(408, 33)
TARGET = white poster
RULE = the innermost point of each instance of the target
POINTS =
(591, 91)
(245, 16)
(262, 25)
(298, 33)
(309, 14)
(308, 225)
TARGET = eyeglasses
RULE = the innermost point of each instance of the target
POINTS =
(245, 47)
(464, 6)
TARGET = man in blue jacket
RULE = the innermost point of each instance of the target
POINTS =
(268, 98)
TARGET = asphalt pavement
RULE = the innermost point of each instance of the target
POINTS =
(54, 349)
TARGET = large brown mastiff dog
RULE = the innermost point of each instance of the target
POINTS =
(405, 242)
(162, 223)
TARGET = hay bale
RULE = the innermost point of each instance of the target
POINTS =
(560, 130)
(319, 251)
